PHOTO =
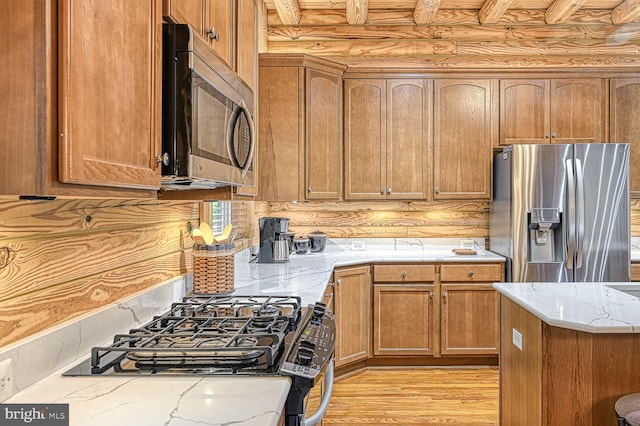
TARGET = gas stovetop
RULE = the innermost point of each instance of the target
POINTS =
(209, 335)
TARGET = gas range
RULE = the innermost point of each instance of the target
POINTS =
(226, 335)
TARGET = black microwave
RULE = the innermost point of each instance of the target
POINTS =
(208, 137)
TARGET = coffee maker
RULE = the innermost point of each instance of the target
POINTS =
(274, 244)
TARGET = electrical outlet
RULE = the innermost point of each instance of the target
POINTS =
(357, 245)
(516, 338)
(6, 380)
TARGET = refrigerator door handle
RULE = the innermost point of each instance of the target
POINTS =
(580, 210)
(571, 216)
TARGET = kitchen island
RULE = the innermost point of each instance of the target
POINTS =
(568, 351)
(100, 400)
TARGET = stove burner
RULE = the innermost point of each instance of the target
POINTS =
(232, 334)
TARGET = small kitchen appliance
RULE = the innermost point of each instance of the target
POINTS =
(230, 335)
(274, 240)
(560, 213)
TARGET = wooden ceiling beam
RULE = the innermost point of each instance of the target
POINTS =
(561, 10)
(492, 10)
(425, 11)
(357, 11)
(288, 11)
(626, 12)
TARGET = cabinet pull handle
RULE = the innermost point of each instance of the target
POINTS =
(309, 189)
(437, 190)
(213, 34)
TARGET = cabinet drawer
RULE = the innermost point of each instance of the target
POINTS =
(471, 272)
(403, 273)
(635, 272)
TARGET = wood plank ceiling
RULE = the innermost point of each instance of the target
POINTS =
(456, 33)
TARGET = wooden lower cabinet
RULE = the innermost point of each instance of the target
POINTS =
(352, 301)
(635, 272)
(447, 309)
(403, 319)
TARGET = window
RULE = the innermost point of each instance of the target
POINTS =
(221, 213)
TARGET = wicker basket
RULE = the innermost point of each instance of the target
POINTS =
(213, 268)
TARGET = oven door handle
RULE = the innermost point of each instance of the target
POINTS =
(316, 417)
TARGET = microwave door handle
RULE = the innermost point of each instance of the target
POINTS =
(252, 139)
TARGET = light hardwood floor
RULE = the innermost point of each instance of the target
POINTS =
(414, 396)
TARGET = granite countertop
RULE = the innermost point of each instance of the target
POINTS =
(589, 307)
(101, 400)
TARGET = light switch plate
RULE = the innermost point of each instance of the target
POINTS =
(6, 380)
(516, 338)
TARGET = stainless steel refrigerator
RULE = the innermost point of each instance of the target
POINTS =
(561, 212)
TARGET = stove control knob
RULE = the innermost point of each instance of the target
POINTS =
(304, 356)
(318, 311)
(307, 345)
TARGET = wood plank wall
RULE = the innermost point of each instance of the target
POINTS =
(397, 219)
(455, 39)
(60, 259)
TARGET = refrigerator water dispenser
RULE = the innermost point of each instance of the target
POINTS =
(544, 234)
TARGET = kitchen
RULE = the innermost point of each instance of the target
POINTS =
(101, 242)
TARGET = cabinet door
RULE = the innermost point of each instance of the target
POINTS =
(577, 110)
(190, 12)
(109, 91)
(323, 139)
(220, 28)
(353, 314)
(464, 128)
(470, 319)
(408, 112)
(624, 126)
(279, 133)
(247, 42)
(365, 139)
(403, 319)
(524, 111)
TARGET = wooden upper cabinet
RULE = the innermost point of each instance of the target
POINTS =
(299, 128)
(323, 139)
(365, 103)
(220, 28)
(465, 125)
(190, 12)
(109, 92)
(524, 111)
(408, 114)
(552, 111)
(624, 126)
(387, 138)
(247, 46)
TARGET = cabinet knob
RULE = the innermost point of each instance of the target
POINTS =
(437, 190)
(471, 274)
(309, 188)
(338, 282)
(388, 190)
(431, 295)
(553, 135)
(547, 136)
(445, 294)
(404, 274)
(164, 159)
(213, 34)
